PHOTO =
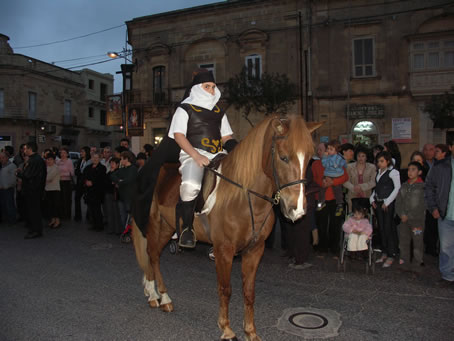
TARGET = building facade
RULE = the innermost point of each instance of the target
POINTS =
(51, 105)
(366, 68)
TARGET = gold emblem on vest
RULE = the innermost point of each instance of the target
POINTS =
(215, 145)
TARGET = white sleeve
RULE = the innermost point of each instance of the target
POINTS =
(226, 130)
(179, 123)
(395, 177)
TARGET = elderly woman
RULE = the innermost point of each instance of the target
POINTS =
(361, 178)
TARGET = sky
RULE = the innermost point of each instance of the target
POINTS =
(32, 22)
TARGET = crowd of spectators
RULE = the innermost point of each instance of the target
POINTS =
(413, 207)
(34, 186)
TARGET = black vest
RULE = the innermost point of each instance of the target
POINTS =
(385, 186)
(204, 127)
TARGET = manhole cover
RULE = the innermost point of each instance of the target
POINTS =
(101, 246)
(310, 323)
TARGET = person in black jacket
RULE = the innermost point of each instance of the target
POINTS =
(95, 181)
(79, 168)
(439, 199)
(33, 182)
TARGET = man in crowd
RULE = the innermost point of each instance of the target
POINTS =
(429, 154)
(7, 186)
(439, 198)
(33, 181)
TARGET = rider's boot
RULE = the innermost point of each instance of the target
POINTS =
(187, 237)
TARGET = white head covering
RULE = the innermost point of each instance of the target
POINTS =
(203, 98)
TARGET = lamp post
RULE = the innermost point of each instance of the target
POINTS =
(126, 71)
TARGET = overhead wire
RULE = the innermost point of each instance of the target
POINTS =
(69, 39)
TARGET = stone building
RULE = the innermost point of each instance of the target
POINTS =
(51, 105)
(367, 68)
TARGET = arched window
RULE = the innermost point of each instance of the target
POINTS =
(159, 93)
(366, 133)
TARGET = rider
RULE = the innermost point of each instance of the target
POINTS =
(201, 129)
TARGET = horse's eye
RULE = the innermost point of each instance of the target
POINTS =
(285, 159)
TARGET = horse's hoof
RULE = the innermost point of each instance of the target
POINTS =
(232, 339)
(167, 308)
(153, 303)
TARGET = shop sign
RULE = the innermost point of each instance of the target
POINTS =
(401, 130)
(360, 111)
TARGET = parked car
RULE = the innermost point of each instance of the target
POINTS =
(74, 156)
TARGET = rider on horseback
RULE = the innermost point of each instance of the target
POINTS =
(201, 129)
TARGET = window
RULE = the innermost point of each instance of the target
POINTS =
(91, 112)
(91, 84)
(254, 66)
(2, 101)
(67, 114)
(159, 85)
(32, 105)
(209, 67)
(432, 55)
(102, 117)
(103, 92)
(363, 57)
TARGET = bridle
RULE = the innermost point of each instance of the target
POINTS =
(274, 200)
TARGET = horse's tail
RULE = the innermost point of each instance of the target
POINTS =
(140, 246)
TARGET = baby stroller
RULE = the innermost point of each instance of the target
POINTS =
(346, 254)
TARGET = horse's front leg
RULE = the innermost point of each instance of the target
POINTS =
(249, 266)
(224, 258)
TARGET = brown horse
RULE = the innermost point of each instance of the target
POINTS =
(271, 159)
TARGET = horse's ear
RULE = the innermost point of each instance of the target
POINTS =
(280, 126)
(312, 126)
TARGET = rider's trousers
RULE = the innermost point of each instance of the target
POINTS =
(192, 175)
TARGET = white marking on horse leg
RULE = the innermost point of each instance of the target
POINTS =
(150, 290)
(300, 207)
(165, 299)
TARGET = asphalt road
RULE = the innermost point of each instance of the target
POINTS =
(75, 284)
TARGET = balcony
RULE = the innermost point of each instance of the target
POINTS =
(69, 120)
(424, 83)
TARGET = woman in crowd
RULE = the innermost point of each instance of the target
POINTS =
(383, 200)
(66, 168)
(148, 149)
(361, 178)
(52, 189)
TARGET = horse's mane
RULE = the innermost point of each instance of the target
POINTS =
(244, 163)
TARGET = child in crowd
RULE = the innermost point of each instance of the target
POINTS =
(358, 229)
(383, 201)
(334, 165)
(411, 210)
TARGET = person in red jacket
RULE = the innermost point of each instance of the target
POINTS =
(328, 223)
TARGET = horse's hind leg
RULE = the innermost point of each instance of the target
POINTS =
(140, 247)
(158, 239)
(249, 265)
(224, 258)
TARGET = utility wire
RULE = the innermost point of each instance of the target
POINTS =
(69, 39)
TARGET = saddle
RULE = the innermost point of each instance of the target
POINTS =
(168, 187)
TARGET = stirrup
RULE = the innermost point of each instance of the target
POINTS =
(187, 238)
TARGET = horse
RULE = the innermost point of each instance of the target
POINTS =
(272, 158)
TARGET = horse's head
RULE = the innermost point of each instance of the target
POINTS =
(290, 152)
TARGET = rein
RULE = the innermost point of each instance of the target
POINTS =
(272, 200)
